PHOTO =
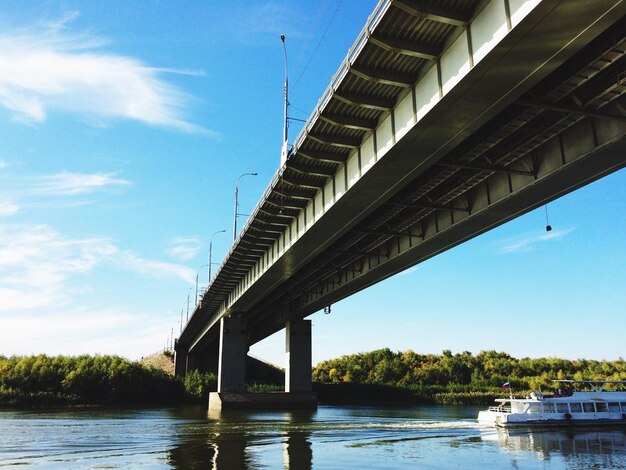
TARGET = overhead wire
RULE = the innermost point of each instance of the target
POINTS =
(318, 43)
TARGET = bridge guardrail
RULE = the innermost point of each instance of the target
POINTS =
(336, 80)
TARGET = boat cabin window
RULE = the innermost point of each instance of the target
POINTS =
(562, 408)
(575, 407)
(601, 407)
(548, 407)
(614, 406)
(588, 408)
(534, 408)
(623, 406)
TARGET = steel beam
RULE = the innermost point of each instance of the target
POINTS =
(364, 101)
(404, 47)
(422, 10)
(323, 156)
(382, 76)
(335, 140)
(349, 122)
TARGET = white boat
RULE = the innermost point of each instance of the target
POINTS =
(596, 406)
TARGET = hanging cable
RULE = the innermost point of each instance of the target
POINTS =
(548, 226)
(318, 44)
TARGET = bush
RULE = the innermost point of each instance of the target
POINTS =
(84, 380)
(199, 384)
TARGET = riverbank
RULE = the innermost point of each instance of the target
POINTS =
(374, 378)
(369, 394)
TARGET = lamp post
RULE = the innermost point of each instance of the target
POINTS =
(211, 245)
(237, 203)
(197, 273)
(283, 152)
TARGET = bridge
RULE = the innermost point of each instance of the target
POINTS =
(447, 118)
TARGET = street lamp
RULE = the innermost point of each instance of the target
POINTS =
(211, 249)
(237, 203)
(197, 273)
(283, 152)
(188, 296)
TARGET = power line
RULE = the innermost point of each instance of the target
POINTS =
(318, 44)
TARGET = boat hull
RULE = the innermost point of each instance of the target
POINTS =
(509, 420)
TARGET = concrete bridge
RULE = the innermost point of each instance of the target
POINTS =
(446, 119)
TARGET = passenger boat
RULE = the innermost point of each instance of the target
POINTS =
(596, 406)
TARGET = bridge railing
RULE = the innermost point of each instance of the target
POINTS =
(335, 82)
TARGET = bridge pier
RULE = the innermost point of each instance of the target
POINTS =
(180, 360)
(298, 352)
(231, 369)
(231, 393)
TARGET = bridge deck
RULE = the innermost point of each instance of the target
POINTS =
(441, 123)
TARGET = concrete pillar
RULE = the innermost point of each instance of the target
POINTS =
(208, 360)
(298, 364)
(192, 362)
(180, 360)
(232, 359)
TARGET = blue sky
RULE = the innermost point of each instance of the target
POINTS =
(124, 127)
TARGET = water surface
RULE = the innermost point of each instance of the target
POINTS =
(436, 437)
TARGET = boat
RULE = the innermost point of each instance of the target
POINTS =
(594, 406)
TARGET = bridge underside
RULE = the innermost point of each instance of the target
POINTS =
(519, 131)
(537, 149)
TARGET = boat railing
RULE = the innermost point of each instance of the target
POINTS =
(500, 409)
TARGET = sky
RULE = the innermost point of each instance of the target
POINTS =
(124, 128)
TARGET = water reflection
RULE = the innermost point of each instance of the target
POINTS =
(298, 453)
(233, 440)
(332, 437)
(579, 448)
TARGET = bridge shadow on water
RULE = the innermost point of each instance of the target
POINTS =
(232, 440)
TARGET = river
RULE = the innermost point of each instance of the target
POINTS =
(430, 437)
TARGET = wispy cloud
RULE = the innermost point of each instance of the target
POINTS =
(44, 68)
(59, 190)
(81, 331)
(68, 184)
(266, 19)
(410, 270)
(38, 265)
(156, 268)
(8, 207)
(184, 248)
(527, 243)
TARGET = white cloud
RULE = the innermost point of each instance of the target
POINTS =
(527, 243)
(556, 234)
(66, 184)
(81, 331)
(184, 248)
(57, 190)
(45, 69)
(38, 265)
(158, 269)
(266, 19)
(410, 270)
(8, 208)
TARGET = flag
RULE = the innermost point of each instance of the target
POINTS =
(506, 385)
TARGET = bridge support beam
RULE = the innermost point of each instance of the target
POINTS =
(231, 374)
(180, 360)
(230, 393)
(298, 351)
(192, 362)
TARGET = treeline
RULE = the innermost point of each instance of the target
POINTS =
(94, 380)
(462, 372)
(381, 376)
